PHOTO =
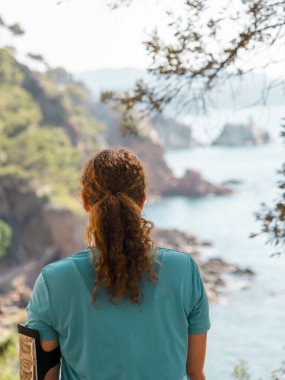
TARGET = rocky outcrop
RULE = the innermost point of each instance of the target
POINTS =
(242, 134)
(41, 234)
(232, 182)
(176, 239)
(193, 183)
(173, 134)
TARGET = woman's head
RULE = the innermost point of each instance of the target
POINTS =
(113, 192)
(111, 172)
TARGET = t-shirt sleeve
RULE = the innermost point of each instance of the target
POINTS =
(39, 310)
(198, 317)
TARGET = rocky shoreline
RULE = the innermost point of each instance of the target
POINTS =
(212, 269)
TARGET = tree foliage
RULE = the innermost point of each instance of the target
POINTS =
(46, 154)
(272, 218)
(18, 110)
(198, 56)
(16, 29)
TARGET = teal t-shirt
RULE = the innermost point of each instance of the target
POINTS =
(122, 341)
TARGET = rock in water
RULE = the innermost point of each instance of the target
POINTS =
(242, 134)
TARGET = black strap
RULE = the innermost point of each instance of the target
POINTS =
(47, 360)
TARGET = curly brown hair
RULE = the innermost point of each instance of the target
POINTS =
(113, 187)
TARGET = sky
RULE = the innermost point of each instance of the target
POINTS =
(83, 35)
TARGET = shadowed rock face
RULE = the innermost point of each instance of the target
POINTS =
(241, 134)
(37, 225)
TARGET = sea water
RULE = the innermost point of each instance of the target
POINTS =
(249, 321)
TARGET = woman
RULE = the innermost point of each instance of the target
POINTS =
(122, 309)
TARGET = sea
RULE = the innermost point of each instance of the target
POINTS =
(248, 322)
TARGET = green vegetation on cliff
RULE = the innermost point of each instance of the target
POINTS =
(46, 127)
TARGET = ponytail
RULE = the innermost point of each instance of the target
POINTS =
(113, 183)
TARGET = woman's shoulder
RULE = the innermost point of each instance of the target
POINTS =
(175, 256)
(64, 265)
(174, 253)
(175, 266)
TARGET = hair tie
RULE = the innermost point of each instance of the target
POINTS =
(115, 193)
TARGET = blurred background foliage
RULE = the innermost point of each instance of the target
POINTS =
(46, 126)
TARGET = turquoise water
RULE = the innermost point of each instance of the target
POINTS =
(249, 321)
